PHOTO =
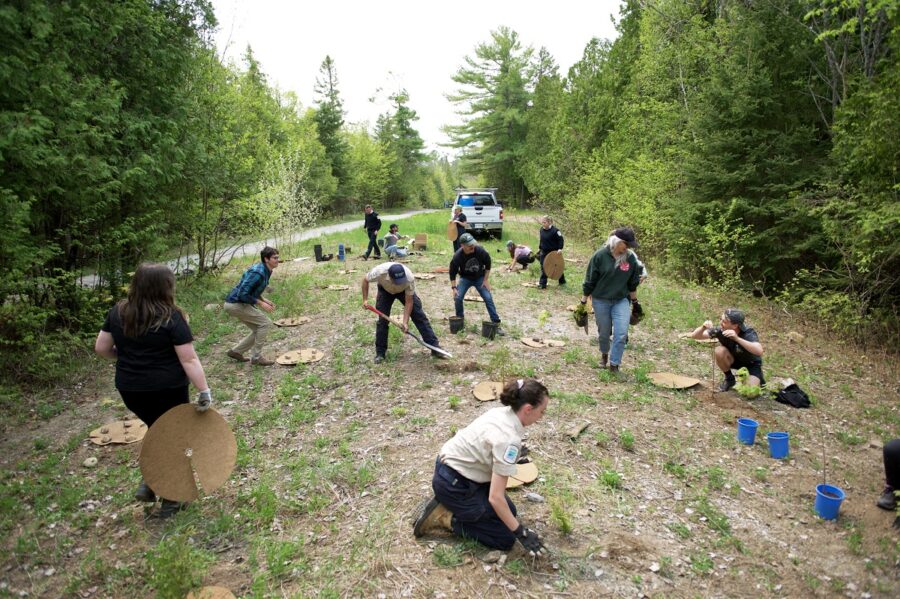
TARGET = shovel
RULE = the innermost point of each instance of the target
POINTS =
(413, 335)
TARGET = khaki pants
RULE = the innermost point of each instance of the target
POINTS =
(259, 325)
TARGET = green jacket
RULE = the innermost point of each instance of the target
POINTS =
(603, 280)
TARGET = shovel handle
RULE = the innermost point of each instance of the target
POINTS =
(383, 315)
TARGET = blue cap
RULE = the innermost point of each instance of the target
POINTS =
(397, 274)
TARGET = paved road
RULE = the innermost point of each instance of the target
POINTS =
(188, 262)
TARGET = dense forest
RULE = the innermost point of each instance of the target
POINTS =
(752, 145)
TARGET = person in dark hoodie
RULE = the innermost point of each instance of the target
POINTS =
(372, 225)
(611, 281)
(551, 241)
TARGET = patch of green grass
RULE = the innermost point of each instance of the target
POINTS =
(516, 567)
(176, 565)
(611, 479)
(716, 477)
(626, 440)
(399, 411)
(849, 438)
(715, 519)
(454, 401)
(701, 564)
(573, 355)
(676, 469)
(601, 438)
(447, 556)
(761, 474)
(680, 529)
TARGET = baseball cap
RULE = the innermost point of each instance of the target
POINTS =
(626, 234)
(510, 243)
(467, 239)
(397, 274)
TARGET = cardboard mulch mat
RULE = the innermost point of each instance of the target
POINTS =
(572, 260)
(441, 269)
(473, 298)
(452, 231)
(672, 381)
(337, 287)
(554, 265)
(292, 322)
(538, 342)
(347, 272)
(589, 306)
(210, 593)
(525, 473)
(120, 431)
(531, 284)
(185, 447)
(300, 356)
(424, 277)
(487, 390)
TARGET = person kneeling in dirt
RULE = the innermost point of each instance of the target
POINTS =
(519, 254)
(472, 468)
(739, 347)
(391, 240)
(396, 282)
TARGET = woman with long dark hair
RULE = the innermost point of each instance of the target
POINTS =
(472, 468)
(149, 338)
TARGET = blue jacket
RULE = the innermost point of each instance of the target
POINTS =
(252, 284)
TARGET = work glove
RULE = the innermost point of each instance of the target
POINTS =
(637, 312)
(523, 455)
(530, 541)
(204, 398)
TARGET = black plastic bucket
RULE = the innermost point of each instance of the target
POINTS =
(489, 329)
(457, 323)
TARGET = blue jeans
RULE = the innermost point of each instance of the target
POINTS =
(463, 287)
(396, 251)
(612, 316)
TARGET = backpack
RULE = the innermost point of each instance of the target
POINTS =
(794, 396)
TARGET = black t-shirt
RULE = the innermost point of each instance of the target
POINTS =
(149, 362)
(470, 266)
(460, 229)
(741, 355)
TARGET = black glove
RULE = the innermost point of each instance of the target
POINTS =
(523, 455)
(637, 312)
(204, 398)
(530, 541)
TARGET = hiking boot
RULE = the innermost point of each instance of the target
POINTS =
(500, 332)
(260, 361)
(145, 493)
(379, 358)
(168, 508)
(727, 384)
(887, 501)
(614, 368)
(604, 360)
(431, 516)
(236, 356)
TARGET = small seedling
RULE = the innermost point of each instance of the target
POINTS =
(626, 440)
(560, 516)
(611, 479)
(454, 401)
(447, 556)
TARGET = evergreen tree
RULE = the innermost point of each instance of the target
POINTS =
(330, 116)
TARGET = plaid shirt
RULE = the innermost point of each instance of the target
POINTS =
(252, 284)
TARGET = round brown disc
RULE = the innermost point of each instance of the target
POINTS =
(530, 284)
(338, 287)
(534, 342)
(165, 465)
(289, 358)
(487, 390)
(672, 381)
(525, 473)
(424, 277)
(554, 265)
(554, 343)
(210, 593)
(119, 431)
(292, 322)
(473, 298)
(452, 231)
(310, 355)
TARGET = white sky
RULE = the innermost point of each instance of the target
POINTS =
(394, 44)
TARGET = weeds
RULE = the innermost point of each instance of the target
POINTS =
(626, 440)
(176, 566)
(447, 556)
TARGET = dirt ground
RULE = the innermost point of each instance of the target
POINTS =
(655, 497)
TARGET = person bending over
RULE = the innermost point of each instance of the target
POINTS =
(739, 347)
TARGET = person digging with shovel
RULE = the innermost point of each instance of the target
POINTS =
(395, 282)
(472, 469)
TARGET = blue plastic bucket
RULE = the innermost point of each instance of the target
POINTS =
(828, 501)
(746, 431)
(778, 445)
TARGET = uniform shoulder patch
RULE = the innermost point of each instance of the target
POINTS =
(559, 233)
(511, 454)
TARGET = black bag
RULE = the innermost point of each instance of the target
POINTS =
(794, 396)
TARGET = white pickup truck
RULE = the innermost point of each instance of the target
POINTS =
(484, 214)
